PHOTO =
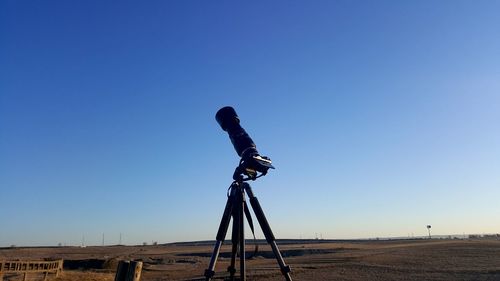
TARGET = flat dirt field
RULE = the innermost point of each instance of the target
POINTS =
(451, 260)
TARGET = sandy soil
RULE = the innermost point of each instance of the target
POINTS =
(441, 260)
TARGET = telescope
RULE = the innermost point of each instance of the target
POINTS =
(252, 165)
(251, 162)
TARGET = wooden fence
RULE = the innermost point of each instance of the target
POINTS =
(26, 267)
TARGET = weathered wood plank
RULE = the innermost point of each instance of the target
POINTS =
(128, 271)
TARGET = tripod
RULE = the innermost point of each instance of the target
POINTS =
(237, 207)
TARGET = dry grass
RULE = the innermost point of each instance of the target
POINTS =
(437, 260)
(85, 276)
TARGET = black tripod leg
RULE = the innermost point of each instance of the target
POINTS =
(221, 234)
(241, 223)
(268, 233)
(234, 240)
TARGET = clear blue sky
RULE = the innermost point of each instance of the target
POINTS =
(381, 117)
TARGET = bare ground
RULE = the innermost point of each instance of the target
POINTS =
(440, 260)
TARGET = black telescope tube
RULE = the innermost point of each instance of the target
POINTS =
(229, 122)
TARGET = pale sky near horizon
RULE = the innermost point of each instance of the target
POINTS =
(380, 117)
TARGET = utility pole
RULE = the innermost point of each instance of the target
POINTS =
(103, 239)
